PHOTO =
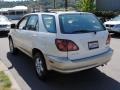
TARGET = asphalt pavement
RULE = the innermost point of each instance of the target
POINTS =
(101, 78)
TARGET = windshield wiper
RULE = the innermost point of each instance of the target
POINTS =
(83, 31)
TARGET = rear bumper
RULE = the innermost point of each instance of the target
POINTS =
(64, 65)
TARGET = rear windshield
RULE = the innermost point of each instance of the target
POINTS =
(79, 23)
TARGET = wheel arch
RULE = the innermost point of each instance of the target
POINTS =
(35, 50)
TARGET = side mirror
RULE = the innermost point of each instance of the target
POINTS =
(13, 26)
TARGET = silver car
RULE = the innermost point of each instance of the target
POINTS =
(4, 24)
(63, 41)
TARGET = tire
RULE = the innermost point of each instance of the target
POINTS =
(13, 50)
(40, 66)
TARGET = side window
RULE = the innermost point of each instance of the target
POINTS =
(49, 23)
(22, 23)
(32, 23)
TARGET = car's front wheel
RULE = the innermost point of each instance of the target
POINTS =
(40, 65)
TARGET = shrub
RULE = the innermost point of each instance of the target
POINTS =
(106, 14)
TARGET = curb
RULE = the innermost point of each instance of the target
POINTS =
(15, 85)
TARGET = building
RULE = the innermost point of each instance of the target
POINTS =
(14, 13)
(108, 5)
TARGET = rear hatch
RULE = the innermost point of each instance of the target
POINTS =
(90, 44)
(84, 30)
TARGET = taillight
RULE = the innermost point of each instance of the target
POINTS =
(66, 45)
(108, 39)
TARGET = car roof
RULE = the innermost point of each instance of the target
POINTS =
(59, 12)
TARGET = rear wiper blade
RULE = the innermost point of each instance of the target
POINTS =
(83, 31)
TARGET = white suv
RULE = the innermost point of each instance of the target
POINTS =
(63, 41)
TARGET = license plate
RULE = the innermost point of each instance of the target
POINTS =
(93, 45)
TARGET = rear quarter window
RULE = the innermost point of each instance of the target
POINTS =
(49, 23)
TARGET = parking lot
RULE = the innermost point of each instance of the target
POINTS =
(102, 78)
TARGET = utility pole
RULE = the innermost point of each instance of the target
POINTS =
(54, 4)
(66, 5)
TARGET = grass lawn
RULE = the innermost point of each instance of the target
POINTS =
(5, 82)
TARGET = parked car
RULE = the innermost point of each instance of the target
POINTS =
(63, 41)
(116, 29)
(112, 24)
(4, 24)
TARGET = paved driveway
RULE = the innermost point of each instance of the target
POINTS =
(102, 78)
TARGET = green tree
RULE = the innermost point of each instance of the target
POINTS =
(85, 5)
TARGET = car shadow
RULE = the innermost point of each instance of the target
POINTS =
(117, 36)
(92, 79)
(3, 35)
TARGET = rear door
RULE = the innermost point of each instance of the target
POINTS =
(32, 28)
